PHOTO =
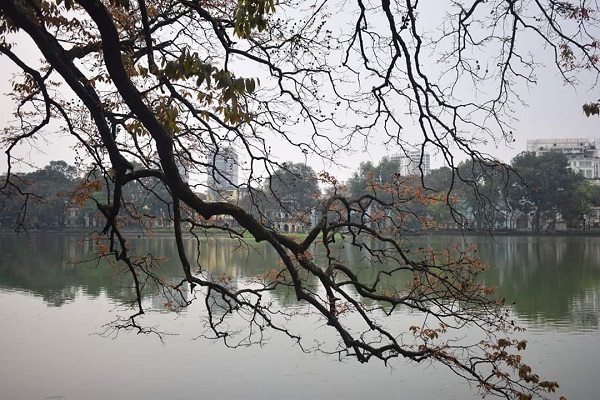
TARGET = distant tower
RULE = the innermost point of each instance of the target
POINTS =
(222, 172)
(409, 163)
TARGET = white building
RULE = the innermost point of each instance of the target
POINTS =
(222, 172)
(583, 153)
(588, 167)
(409, 163)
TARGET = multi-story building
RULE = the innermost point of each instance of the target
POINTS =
(588, 167)
(409, 162)
(222, 182)
(583, 153)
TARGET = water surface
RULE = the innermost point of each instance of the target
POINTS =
(52, 306)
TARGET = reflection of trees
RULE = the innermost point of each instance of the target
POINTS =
(549, 278)
(45, 265)
(54, 267)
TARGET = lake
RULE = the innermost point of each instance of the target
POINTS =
(52, 308)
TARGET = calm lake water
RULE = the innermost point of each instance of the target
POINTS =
(52, 307)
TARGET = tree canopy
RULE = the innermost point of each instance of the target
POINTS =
(153, 89)
(546, 186)
(295, 187)
(41, 197)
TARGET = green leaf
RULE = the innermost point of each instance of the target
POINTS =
(239, 85)
(250, 86)
(227, 95)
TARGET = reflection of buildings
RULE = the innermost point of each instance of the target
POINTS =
(222, 172)
(582, 153)
(171, 299)
(584, 308)
(410, 161)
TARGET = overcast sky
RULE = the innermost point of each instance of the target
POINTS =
(554, 111)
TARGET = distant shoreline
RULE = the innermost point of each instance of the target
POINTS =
(439, 232)
(453, 232)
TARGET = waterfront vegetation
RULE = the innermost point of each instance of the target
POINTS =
(537, 194)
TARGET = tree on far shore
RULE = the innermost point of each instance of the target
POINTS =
(545, 186)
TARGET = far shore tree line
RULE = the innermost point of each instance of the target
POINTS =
(540, 193)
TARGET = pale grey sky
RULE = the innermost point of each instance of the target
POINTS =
(553, 111)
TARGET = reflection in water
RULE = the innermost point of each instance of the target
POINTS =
(552, 280)
(47, 266)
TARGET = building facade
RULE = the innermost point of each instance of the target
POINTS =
(222, 182)
(409, 163)
(582, 153)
